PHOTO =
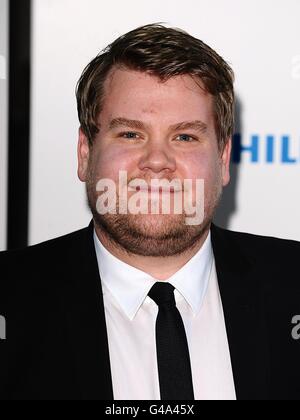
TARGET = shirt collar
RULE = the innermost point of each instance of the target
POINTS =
(130, 286)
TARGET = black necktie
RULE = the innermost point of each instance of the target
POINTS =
(174, 366)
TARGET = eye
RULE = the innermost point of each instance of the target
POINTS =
(186, 138)
(128, 135)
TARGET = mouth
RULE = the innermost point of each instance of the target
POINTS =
(154, 190)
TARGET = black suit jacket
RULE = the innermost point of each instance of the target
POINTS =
(56, 345)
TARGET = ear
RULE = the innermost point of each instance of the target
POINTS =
(226, 155)
(83, 153)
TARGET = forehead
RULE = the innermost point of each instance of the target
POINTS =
(134, 94)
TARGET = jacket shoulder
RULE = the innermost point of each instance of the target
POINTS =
(256, 246)
(37, 266)
(272, 264)
(44, 249)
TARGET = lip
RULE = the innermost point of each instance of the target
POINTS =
(155, 190)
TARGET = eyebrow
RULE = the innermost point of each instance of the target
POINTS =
(196, 125)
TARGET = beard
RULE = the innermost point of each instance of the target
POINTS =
(151, 235)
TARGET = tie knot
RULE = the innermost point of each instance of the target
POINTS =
(162, 293)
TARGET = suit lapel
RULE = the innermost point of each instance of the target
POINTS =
(83, 301)
(243, 305)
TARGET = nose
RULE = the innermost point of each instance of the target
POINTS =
(157, 158)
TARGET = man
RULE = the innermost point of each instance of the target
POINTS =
(143, 304)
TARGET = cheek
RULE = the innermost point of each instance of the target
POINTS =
(108, 162)
(204, 166)
(201, 165)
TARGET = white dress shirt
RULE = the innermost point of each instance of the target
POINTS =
(131, 317)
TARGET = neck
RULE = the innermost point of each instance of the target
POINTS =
(160, 268)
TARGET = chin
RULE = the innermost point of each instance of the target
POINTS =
(157, 221)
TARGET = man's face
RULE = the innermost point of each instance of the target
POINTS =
(154, 149)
